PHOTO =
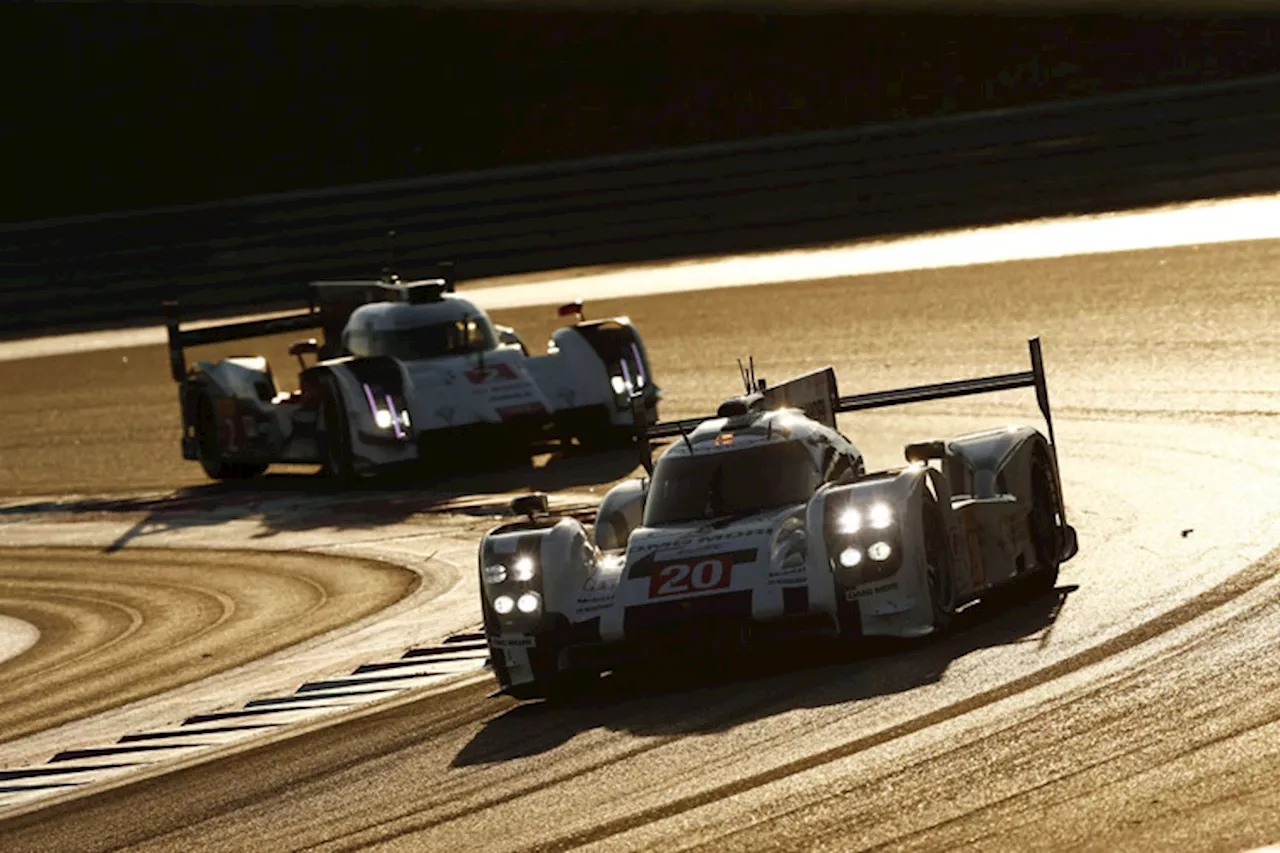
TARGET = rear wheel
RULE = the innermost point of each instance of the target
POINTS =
(1042, 523)
(210, 447)
(938, 569)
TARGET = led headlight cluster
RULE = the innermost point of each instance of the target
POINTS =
(865, 538)
(509, 581)
(386, 414)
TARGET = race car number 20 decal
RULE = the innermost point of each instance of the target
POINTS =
(697, 575)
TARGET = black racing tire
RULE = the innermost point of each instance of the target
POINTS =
(939, 571)
(1042, 523)
(549, 682)
(210, 447)
(333, 434)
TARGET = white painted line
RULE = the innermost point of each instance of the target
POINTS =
(16, 636)
(1219, 221)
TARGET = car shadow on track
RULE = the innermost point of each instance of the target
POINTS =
(293, 502)
(671, 700)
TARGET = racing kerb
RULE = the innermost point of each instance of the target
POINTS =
(1168, 144)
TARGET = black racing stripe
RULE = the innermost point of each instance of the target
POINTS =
(380, 372)
(795, 599)
(642, 568)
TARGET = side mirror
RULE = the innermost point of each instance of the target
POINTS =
(570, 309)
(301, 348)
(531, 505)
(508, 337)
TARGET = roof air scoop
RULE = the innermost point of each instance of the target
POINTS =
(738, 406)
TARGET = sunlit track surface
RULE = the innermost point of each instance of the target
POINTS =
(1135, 709)
(114, 628)
(71, 768)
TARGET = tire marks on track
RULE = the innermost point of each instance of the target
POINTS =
(1207, 601)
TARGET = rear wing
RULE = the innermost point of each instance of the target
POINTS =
(330, 305)
(803, 392)
(179, 339)
(807, 392)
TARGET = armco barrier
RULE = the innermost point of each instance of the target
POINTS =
(1137, 148)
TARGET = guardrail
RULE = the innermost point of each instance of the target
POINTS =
(1088, 154)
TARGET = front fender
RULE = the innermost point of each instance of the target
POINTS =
(372, 392)
(877, 594)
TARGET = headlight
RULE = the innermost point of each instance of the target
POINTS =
(850, 521)
(383, 419)
(504, 604)
(880, 516)
(528, 603)
(619, 385)
(522, 570)
(496, 573)
(850, 557)
(880, 552)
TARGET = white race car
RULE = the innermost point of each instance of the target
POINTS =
(764, 518)
(408, 372)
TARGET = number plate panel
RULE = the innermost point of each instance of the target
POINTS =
(697, 574)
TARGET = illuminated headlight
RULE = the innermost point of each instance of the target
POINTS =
(880, 516)
(880, 552)
(850, 557)
(504, 604)
(850, 521)
(522, 570)
(382, 418)
(619, 385)
(528, 603)
(496, 573)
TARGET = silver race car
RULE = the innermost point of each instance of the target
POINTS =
(408, 371)
(764, 518)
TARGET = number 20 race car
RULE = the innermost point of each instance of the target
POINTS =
(765, 518)
(408, 372)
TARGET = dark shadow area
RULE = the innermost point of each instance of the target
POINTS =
(669, 698)
(288, 502)
(280, 99)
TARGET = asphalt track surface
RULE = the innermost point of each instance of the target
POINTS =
(1135, 709)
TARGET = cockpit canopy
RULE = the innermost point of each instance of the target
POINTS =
(416, 332)
(712, 485)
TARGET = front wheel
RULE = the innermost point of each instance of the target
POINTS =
(333, 434)
(938, 568)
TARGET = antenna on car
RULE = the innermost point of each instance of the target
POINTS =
(685, 436)
(389, 274)
(746, 381)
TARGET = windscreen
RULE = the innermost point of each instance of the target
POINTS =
(431, 340)
(712, 485)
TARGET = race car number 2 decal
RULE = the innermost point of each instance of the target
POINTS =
(697, 575)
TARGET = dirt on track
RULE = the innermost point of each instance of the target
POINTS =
(116, 627)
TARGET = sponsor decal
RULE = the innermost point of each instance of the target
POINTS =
(512, 641)
(864, 592)
(491, 373)
(700, 574)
